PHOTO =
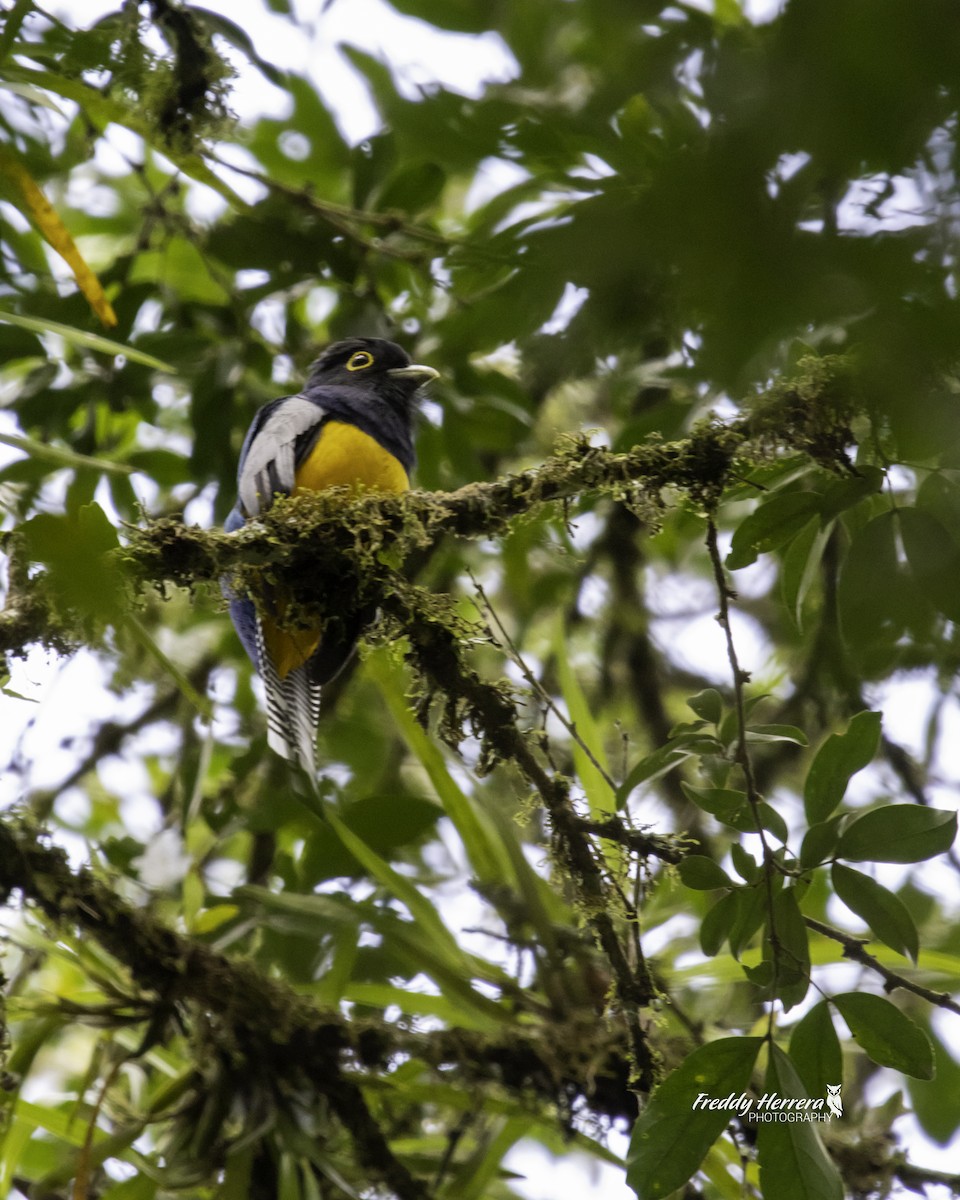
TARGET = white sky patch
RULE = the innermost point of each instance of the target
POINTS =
(903, 208)
(567, 308)
(546, 1177)
(420, 55)
(164, 862)
(698, 645)
(493, 177)
(593, 596)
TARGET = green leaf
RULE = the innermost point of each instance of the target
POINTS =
(102, 109)
(671, 1137)
(884, 912)
(793, 1162)
(702, 873)
(751, 914)
(934, 558)
(936, 1102)
(76, 551)
(61, 457)
(940, 495)
(801, 564)
(845, 493)
(820, 841)
(776, 733)
(716, 801)
(479, 839)
(384, 822)
(652, 766)
(792, 949)
(413, 188)
(486, 1165)
(770, 525)
(588, 753)
(413, 1003)
(179, 266)
(91, 341)
(420, 908)
(241, 40)
(886, 1034)
(144, 639)
(815, 1050)
(468, 16)
(745, 820)
(745, 864)
(899, 833)
(707, 704)
(729, 729)
(839, 758)
(716, 925)
(871, 615)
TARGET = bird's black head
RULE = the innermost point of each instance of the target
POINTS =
(371, 363)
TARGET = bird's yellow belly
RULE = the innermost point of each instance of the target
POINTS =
(344, 456)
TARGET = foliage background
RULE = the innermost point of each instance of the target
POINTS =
(664, 212)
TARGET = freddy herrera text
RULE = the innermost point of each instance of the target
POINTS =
(769, 1103)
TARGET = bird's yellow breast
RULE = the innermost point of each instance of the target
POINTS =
(345, 455)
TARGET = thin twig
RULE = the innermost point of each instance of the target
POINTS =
(340, 216)
(853, 948)
(740, 677)
(437, 656)
(538, 687)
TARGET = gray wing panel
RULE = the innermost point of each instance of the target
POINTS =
(270, 465)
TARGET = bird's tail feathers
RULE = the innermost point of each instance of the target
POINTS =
(293, 710)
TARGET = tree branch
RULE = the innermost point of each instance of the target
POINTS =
(278, 1034)
(436, 655)
(273, 1030)
(309, 536)
(853, 948)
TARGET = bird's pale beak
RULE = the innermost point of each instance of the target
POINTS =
(416, 371)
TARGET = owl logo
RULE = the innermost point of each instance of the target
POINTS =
(834, 1103)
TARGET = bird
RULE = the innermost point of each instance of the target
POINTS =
(352, 425)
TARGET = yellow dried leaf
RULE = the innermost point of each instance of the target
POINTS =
(49, 225)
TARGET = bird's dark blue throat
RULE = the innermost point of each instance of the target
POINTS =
(376, 395)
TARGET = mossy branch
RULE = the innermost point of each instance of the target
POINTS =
(306, 539)
(261, 1031)
(309, 541)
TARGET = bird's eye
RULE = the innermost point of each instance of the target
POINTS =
(357, 362)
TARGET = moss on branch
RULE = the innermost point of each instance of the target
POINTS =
(261, 1034)
(310, 540)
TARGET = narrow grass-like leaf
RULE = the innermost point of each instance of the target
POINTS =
(177, 677)
(479, 840)
(587, 746)
(47, 220)
(80, 337)
(472, 1184)
(59, 456)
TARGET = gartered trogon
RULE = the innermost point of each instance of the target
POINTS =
(351, 425)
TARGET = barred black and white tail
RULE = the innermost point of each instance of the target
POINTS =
(293, 710)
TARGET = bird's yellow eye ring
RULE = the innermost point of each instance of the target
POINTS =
(357, 362)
